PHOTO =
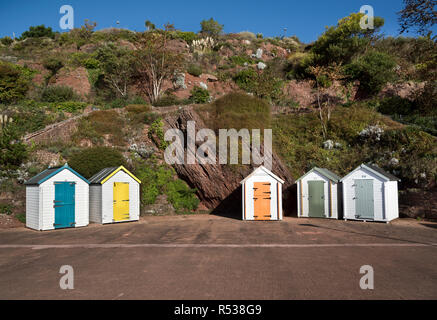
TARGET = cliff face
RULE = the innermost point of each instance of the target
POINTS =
(218, 186)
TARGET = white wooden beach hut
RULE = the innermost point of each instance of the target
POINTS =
(370, 194)
(114, 196)
(57, 198)
(262, 195)
(318, 194)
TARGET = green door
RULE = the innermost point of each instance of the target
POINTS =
(64, 205)
(316, 199)
(364, 204)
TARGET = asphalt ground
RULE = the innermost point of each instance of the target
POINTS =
(210, 257)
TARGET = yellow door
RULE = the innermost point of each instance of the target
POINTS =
(121, 201)
(261, 199)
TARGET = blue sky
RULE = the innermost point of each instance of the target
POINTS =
(306, 19)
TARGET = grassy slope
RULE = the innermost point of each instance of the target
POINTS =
(298, 139)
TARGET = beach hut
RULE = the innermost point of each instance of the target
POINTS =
(262, 195)
(370, 194)
(318, 194)
(114, 196)
(57, 198)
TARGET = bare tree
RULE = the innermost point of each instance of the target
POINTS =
(325, 77)
(419, 14)
(155, 62)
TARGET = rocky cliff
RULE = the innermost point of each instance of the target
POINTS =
(218, 186)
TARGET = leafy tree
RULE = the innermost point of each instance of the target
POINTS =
(91, 160)
(149, 25)
(373, 70)
(418, 14)
(211, 28)
(154, 62)
(341, 43)
(38, 32)
(14, 82)
(116, 63)
(12, 151)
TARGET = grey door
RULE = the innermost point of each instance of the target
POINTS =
(364, 202)
(316, 195)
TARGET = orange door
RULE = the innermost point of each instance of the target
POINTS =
(261, 199)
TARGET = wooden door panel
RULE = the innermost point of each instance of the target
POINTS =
(261, 198)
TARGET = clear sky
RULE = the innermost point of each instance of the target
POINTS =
(303, 18)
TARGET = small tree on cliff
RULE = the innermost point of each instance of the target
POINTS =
(117, 66)
(154, 62)
(211, 28)
(325, 78)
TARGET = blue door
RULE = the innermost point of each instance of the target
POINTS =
(64, 205)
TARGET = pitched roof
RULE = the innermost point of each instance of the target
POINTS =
(376, 170)
(381, 171)
(103, 175)
(324, 172)
(50, 172)
(265, 170)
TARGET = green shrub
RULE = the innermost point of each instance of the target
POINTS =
(373, 70)
(246, 79)
(194, 70)
(91, 63)
(264, 85)
(396, 105)
(181, 196)
(14, 82)
(199, 95)
(21, 217)
(240, 60)
(58, 94)
(188, 36)
(6, 208)
(69, 106)
(157, 131)
(7, 41)
(38, 32)
(12, 151)
(160, 180)
(91, 160)
(53, 64)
